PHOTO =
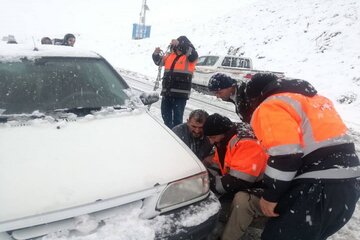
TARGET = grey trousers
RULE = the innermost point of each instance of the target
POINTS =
(245, 208)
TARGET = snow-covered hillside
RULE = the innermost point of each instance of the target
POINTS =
(313, 40)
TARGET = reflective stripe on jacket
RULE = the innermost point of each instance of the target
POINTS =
(177, 76)
(244, 159)
(290, 125)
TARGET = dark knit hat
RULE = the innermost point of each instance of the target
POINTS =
(184, 44)
(69, 35)
(220, 81)
(216, 124)
(257, 84)
(66, 38)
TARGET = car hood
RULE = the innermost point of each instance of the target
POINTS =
(47, 166)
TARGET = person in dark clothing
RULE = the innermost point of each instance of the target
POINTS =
(238, 165)
(230, 90)
(46, 40)
(236, 148)
(69, 40)
(11, 40)
(312, 176)
(192, 134)
(176, 83)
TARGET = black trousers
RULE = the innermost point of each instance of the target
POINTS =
(313, 211)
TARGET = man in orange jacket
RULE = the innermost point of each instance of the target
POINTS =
(179, 67)
(238, 165)
(312, 175)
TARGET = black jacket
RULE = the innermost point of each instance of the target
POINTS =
(200, 146)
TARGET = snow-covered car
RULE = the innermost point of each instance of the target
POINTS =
(79, 148)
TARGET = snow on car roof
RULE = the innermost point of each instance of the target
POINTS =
(11, 52)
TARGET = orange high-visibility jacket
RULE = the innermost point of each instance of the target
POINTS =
(244, 159)
(290, 123)
(293, 124)
(182, 65)
(177, 77)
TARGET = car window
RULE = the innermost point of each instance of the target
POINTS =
(236, 62)
(55, 83)
(207, 60)
(226, 62)
(242, 62)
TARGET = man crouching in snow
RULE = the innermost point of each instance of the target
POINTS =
(237, 168)
(312, 176)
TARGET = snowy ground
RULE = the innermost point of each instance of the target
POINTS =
(317, 40)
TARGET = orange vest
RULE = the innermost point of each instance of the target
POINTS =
(289, 123)
(244, 159)
(182, 65)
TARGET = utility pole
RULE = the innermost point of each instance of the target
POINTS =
(144, 8)
(140, 30)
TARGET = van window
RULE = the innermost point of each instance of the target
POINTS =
(226, 62)
(236, 62)
(207, 60)
(244, 63)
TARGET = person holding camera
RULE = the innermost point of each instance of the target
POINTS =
(179, 66)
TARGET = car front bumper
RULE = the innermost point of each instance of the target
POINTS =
(195, 221)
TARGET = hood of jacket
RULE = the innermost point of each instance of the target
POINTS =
(257, 91)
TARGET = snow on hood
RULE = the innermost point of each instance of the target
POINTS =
(76, 162)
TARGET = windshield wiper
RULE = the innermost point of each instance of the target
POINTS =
(20, 117)
(80, 111)
(83, 111)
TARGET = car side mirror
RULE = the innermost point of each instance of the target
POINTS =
(148, 98)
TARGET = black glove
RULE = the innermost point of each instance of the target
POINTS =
(149, 98)
(214, 179)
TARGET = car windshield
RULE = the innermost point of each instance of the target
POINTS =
(207, 61)
(50, 83)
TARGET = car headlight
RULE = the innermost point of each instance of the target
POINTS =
(184, 192)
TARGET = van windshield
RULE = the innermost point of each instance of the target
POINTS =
(50, 83)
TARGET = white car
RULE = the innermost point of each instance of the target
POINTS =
(208, 65)
(77, 145)
(239, 68)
